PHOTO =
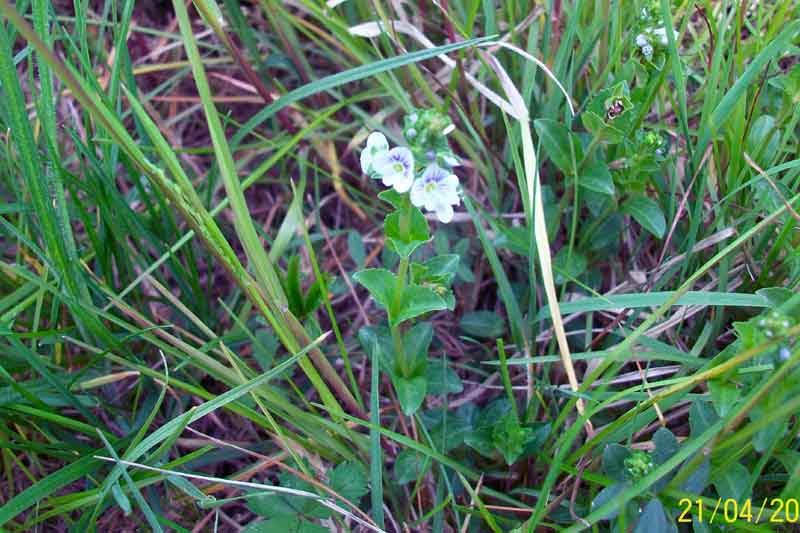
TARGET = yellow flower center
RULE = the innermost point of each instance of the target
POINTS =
(398, 167)
(430, 187)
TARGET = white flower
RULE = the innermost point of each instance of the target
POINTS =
(396, 168)
(376, 145)
(641, 40)
(436, 190)
(647, 50)
(451, 160)
(661, 33)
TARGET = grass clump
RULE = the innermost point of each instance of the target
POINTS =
(434, 267)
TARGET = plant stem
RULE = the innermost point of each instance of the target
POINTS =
(402, 272)
(399, 351)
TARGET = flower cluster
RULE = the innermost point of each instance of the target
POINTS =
(638, 464)
(643, 156)
(650, 36)
(423, 168)
(652, 39)
(655, 142)
(776, 325)
(426, 133)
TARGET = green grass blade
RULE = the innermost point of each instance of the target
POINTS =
(375, 451)
(655, 299)
(290, 330)
(348, 76)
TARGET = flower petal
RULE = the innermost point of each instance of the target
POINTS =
(418, 193)
(377, 141)
(403, 183)
(376, 145)
(366, 160)
(451, 198)
(434, 172)
(403, 154)
(381, 161)
(451, 182)
(444, 212)
(389, 178)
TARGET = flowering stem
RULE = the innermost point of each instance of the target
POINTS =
(400, 353)
(399, 288)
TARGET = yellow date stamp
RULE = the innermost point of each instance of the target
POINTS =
(729, 511)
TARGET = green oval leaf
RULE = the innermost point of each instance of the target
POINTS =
(410, 393)
(416, 342)
(596, 177)
(647, 213)
(349, 480)
(608, 494)
(666, 446)
(483, 324)
(442, 380)
(355, 245)
(409, 466)
(405, 239)
(614, 456)
(418, 300)
(652, 519)
(560, 144)
(379, 282)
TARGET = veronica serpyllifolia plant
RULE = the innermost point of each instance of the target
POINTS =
(419, 175)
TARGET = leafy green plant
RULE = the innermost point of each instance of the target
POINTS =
(628, 259)
(497, 431)
(420, 176)
(288, 512)
(635, 153)
(625, 467)
(775, 327)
